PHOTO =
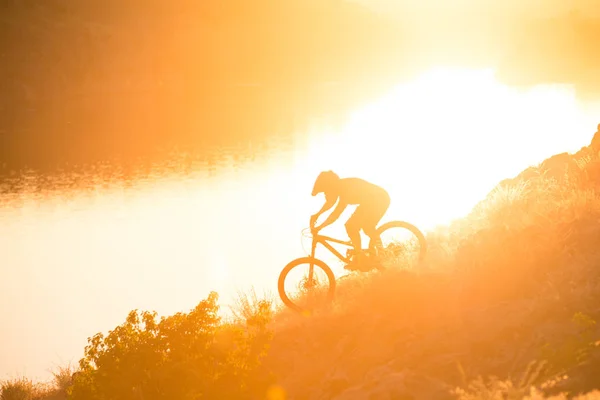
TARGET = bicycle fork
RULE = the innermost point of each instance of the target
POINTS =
(311, 267)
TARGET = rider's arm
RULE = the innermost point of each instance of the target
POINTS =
(329, 202)
(335, 214)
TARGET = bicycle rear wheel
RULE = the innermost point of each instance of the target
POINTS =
(306, 283)
(400, 244)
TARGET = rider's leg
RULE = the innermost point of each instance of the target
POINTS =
(353, 227)
(376, 212)
(371, 232)
(353, 230)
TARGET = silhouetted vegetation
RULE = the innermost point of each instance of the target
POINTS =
(25, 389)
(184, 356)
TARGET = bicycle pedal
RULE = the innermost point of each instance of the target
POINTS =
(349, 267)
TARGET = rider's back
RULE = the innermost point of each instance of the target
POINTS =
(360, 191)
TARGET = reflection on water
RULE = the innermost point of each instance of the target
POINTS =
(81, 249)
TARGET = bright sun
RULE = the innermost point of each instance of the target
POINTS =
(440, 143)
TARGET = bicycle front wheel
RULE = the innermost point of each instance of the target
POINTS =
(400, 244)
(306, 283)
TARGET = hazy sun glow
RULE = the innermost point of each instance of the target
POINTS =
(440, 143)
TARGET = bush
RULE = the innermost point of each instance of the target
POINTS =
(184, 356)
(18, 389)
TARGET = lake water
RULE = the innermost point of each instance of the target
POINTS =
(79, 251)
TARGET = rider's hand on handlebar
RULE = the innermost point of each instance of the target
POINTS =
(313, 221)
(314, 230)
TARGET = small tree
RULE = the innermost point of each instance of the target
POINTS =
(181, 357)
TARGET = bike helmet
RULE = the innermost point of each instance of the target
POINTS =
(324, 180)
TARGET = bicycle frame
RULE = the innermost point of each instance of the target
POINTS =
(324, 240)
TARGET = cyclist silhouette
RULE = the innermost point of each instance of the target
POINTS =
(372, 201)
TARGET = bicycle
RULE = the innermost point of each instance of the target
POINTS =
(379, 252)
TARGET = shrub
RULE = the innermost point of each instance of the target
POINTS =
(18, 389)
(180, 357)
